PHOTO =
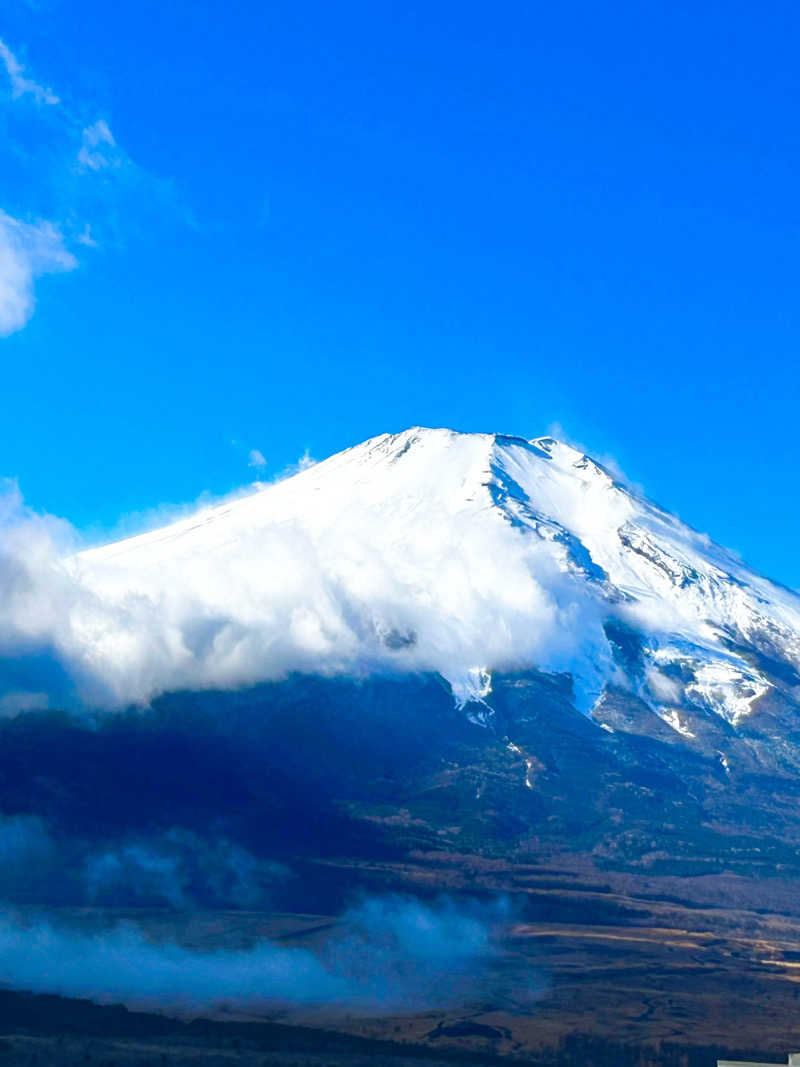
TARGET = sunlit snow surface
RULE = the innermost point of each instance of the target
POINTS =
(426, 550)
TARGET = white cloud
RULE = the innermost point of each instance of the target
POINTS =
(257, 459)
(85, 238)
(27, 250)
(302, 464)
(313, 576)
(305, 461)
(98, 149)
(113, 196)
(20, 85)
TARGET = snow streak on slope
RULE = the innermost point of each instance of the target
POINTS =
(422, 551)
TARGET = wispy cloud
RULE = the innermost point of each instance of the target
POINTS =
(20, 84)
(555, 429)
(305, 461)
(27, 250)
(256, 459)
(70, 168)
(302, 464)
(85, 238)
(98, 148)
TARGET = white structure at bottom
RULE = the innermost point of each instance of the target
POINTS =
(794, 1061)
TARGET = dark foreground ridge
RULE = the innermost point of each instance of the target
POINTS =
(61, 1032)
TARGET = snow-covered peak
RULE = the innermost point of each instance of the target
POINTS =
(433, 550)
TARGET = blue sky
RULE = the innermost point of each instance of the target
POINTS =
(291, 226)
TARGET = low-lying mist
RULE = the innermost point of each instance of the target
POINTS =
(200, 817)
(388, 953)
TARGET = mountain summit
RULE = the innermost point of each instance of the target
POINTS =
(459, 554)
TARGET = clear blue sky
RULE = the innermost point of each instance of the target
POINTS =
(321, 221)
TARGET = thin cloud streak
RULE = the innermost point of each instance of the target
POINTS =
(98, 148)
(85, 158)
(20, 85)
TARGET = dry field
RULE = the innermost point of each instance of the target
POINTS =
(635, 976)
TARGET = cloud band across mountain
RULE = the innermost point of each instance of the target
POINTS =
(423, 551)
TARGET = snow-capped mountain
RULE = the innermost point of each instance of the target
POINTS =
(437, 551)
(431, 643)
